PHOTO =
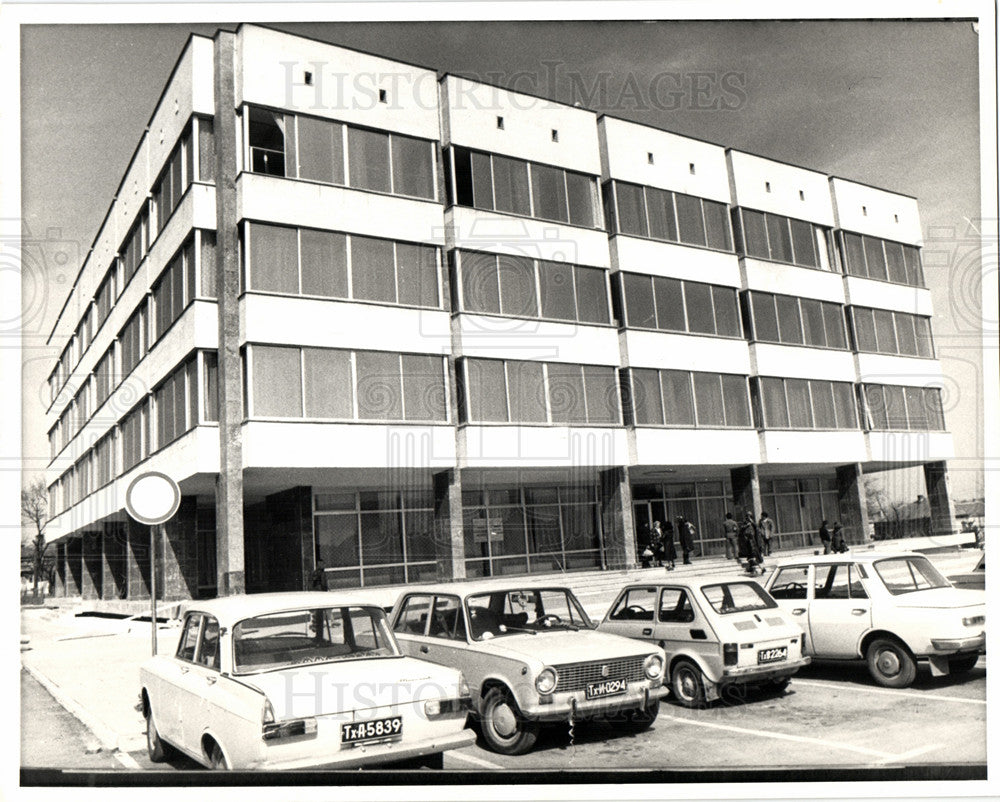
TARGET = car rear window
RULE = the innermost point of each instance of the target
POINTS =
(737, 597)
(908, 574)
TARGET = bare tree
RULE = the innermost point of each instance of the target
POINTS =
(34, 512)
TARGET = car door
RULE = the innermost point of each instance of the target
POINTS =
(789, 587)
(839, 611)
(199, 686)
(681, 626)
(168, 705)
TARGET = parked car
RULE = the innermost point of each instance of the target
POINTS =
(298, 680)
(531, 656)
(891, 609)
(972, 580)
(716, 634)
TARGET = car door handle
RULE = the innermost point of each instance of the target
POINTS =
(424, 649)
(211, 680)
(798, 611)
(184, 669)
(859, 611)
(647, 631)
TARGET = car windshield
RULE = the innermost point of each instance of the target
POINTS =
(320, 635)
(737, 597)
(908, 574)
(511, 612)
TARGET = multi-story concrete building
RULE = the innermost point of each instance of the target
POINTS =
(423, 327)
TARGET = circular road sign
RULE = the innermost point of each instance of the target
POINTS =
(152, 498)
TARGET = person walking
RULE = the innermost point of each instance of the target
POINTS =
(685, 532)
(730, 531)
(837, 540)
(749, 547)
(656, 543)
(824, 537)
(765, 526)
(669, 551)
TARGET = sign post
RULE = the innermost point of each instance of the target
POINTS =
(152, 498)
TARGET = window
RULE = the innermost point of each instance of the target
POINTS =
(133, 435)
(885, 332)
(210, 391)
(668, 304)
(208, 646)
(797, 321)
(369, 159)
(328, 383)
(206, 149)
(678, 399)
(807, 404)
(782, 239)
(188, 643)
(791, 583)
(131, 340)
(104, 460)
(682, 398)
(504, 184)
(267, 141)
(106, 295)
(895, 408)
(447, 620)
(320, 150)
(133, 249)
(104, 376)
(170, 401)
(883, 260)
(635, 604)
(413, 616)
(172, 183)
(668, 216)
(276, 381)
(171, 293)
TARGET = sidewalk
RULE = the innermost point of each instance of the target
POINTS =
(91, 664)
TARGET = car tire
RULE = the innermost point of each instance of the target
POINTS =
(890, 663)
(504, 729)
(155, 747)
(638, 720)
(962, 663)
(686, 684)
(216, 759)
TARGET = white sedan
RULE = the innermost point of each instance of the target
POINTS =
(298, 680)
(890, 609)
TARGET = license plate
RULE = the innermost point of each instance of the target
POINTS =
(609, 687)
(772, 655)
(379, 729)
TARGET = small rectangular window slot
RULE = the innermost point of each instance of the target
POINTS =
(864, 210)
(802, 195)
(309, 78)
(383, 96)
(649, 158)
(691, 168)
(555, 135)
(500, 123)
(895, 217)
(767, 186)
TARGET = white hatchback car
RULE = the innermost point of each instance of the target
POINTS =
(889, 608)
(298, 680)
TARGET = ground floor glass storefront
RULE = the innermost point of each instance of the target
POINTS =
(799, 507)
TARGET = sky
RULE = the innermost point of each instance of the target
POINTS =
(889, 103)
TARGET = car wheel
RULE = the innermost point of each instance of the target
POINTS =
(890, 663)
(962, 663)
(687, 685)
(154, 746)
(217, 760)
(504, 728)
(635, 721)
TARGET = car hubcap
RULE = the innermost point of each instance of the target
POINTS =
(888, 663)
(687, 687)
(504, 721)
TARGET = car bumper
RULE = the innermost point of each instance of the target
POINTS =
(762, 673)
(575, 705)
(949, 645)
(374, 755)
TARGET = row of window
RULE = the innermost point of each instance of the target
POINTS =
(883, 332)
(669, 304)
(884, 260)
(306, 261)
(666, 216)
(807, 404)
(686, 398)
(894, 408)
(783, 239)
(297, 146)
(796, 321)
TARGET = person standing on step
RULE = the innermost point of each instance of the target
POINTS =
(824, 537)
(837, 539)
(656, 543)
(685, 532)
(669, 551)
(730, 530)
(749, 545)
(765, 526)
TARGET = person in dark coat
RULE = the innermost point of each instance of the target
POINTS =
(656, 543)
(685, 533)
(824, 536)
(766, 528)
(669, 551)
(749, 544)
(837, 539)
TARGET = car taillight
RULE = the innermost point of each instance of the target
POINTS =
(436, 708)
(730, 654)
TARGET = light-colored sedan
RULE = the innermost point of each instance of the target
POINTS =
(531, 656)
(298, 680)
(890, 609)
(716, 634)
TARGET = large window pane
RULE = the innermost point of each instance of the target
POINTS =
(557, 290)
(895, 407)
(662, 223)
(815, 331)
(368, 155)
(734, 395)
(423, 387)
(482, 180)
(875, 403)
(690, 224)
(717, 225)
(480, 287)
(934, 409)
(727, 315)
(639, 308)
(381, 538)
(896, 264)
(267, 142)
(846, 405)
(337, 539)
(669, 294)
(824, 409)
(864, 329)
(324, 263)
(566, 394)
(799, 408)
(321, 150)
(510, 185)
(647, 405)
(916, 414)
(855, 254)
(517, 286)
(274, 258)
(708, 399)
(277, 382)
(328, 384)
(772, 393)
(417, 276)
(631, 209)
(591, 295)
(755, 234)
(765, 319)
(803, 243)
(549, 193)
(875, 258)
(373, 273)
(486, 390)
(206, 150)
(778, 238)
(905, 334)
(885, 332)
(601, 387)
(833, 324)
(677, 399)
(207, 264)
(527, 392)
(700, 313)
(210, 394)
(925, 346)
(580, 194)
(914, 270)
(379, 390)
(412, 167)
(789, 321)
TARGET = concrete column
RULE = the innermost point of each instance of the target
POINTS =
(91, 561)
(113, 580)
(60, 556)
(177, 577)
(746, 491)
(229, 485)
(852, 501)
(939, 497)
(617, 520)
(137, 560)
(74, 566)
(449, 539)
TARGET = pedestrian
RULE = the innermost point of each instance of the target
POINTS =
(656, 540)
(837, 541)
(318, 576)
(669, 552)
(730, 530)
(824, 537)
(749, 546)
(765, 526)
(685, 532)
